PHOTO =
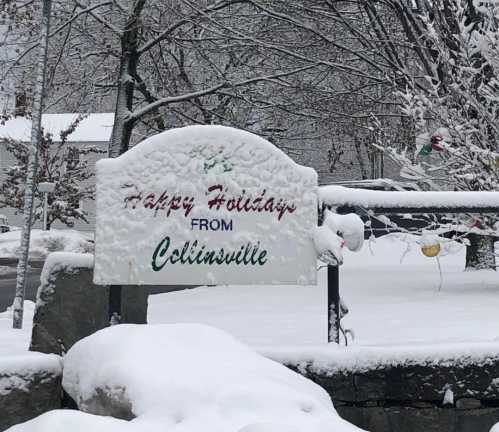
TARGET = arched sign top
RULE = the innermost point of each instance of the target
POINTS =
(205, 205)
(194, 137)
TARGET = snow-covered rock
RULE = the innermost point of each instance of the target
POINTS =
(64, 261)
(69, 306)
(187, 378)
(30, 384)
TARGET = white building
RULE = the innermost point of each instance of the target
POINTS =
(94, 129)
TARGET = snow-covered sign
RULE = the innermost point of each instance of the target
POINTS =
(205, 205)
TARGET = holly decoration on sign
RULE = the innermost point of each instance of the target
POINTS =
(434, 144)
(214, 159)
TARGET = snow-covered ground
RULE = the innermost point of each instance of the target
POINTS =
(14, 342)
(400, 309)
(7, 271)
(44, 242)
(391, 303)
(392, 291)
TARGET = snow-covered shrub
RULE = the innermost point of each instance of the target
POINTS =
(448, 90)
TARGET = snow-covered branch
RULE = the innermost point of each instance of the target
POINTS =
(137, 114)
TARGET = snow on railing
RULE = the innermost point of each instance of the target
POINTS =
(410, 201)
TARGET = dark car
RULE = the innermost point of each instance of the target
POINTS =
(4, 224)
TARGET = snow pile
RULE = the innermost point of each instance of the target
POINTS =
(7, 271)
(75, 421)
(14, 342)
(185, 378)
(349, 226)
(338, 231)
(44, 242)
(328, 245)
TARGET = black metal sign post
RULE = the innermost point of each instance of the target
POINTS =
(114, 304)
(333, 303)
(333, 294)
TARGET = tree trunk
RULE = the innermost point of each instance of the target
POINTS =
(123, 126)
(39, 87)
(122, 129)
(360, 158)
(480, 253)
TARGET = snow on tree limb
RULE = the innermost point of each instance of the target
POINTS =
(134, 116)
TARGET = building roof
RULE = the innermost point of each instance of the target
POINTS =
(96, 127)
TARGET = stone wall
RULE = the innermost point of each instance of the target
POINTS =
(415, 398)
(418, 419)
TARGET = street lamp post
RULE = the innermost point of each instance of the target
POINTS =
(45, 188)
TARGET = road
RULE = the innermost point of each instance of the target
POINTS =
(8, 288)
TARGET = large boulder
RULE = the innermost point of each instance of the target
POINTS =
(190, 377)
(30, 385)
(70, 307)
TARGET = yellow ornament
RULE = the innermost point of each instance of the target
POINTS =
(431, 250)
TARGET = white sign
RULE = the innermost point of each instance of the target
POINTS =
(205, 205)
